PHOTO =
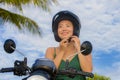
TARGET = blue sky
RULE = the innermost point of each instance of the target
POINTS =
(100, 20)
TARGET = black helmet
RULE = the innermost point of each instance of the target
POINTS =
(65, 15)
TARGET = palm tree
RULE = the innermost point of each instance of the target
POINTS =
(19, 20)
(99, 77)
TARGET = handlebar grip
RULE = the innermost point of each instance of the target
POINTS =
(6, 70)
(88, 74)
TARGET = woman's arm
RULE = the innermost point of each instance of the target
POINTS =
(50, 55)
(59, 55)
(85, 62)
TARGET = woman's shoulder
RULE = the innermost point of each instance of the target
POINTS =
(50, 52)
(50, 48)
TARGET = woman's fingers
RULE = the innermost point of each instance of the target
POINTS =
(64, 43)
(76, 41)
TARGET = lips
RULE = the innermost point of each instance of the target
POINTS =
(64, 33)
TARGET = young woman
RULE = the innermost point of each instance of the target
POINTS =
(66, 28)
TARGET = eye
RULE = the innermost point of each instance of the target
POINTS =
(68, 25)
(59, 26)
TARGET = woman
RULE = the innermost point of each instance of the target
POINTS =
(66, 28)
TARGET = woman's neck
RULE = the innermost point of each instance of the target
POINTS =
(71, 49)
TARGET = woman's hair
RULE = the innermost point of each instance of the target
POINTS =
(65, 15)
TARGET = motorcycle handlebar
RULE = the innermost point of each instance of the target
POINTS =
(69, 72)
(7, 70)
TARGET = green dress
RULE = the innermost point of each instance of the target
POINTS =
(74, 63)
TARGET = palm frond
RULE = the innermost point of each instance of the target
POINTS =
(44, 4)
(19, 20)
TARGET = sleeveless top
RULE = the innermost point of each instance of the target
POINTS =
(74, 63)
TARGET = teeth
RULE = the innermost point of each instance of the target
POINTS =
(64, 33)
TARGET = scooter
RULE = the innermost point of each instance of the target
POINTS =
(43, 68)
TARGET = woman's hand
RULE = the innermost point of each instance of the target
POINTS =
(63, 44)
(76, 41)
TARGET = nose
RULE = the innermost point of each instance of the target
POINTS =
(64, 28)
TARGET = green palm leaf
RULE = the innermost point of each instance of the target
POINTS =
(19, 20)
(99, 77)
(44, 4)
(22, 21)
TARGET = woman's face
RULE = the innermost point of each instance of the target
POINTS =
(65, 29)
